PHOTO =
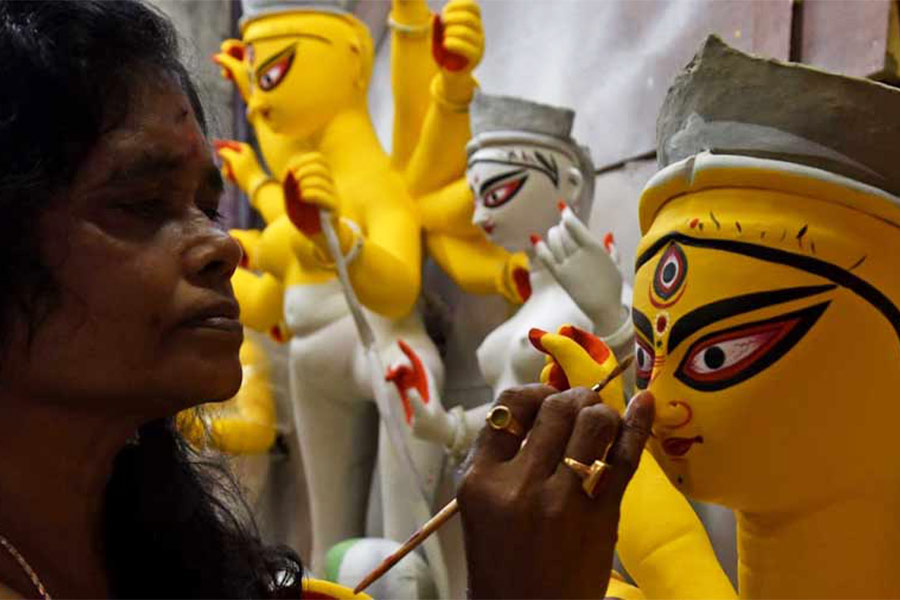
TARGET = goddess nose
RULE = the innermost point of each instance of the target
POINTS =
(673, 414)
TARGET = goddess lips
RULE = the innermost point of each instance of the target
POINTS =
(676, 446)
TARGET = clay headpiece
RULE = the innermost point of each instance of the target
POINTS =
(729, 102)
(500, 120)
(731, 110)
(254, 9)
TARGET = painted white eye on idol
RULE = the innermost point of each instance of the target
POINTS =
(517, 190)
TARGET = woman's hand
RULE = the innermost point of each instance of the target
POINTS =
(530, 529)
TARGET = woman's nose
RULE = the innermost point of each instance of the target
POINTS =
(213, 257)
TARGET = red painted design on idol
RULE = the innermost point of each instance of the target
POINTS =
(561, 206)
(694, 222)
(488, 227)
(503, 192)
(657, 304)
(535, 239)
(662, 322)
(276, 334)
(230, 144)
(236, 51)
(226, 70)
(275, 72)
(726, 356)
(688, 414)
(406, 377)
(671, 273)
(643, 362)
(443, 57)
(595, 347)
(523, 283)
(609, 242)
(677, 447)
(303, 215)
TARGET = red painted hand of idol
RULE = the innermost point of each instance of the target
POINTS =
(406, 377)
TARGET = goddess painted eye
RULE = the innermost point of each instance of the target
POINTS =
(643, 361)
(670, 272)
(725, 358)
(503, 192)
(274, 73)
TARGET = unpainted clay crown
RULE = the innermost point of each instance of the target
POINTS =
(254, 9)
(504, 113)
(728, 102)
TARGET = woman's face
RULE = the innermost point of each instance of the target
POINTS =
(517, 188)
(146, 314)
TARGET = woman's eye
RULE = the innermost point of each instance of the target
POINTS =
(152, 207)
(274, 74)
(643, 363)
(728, 357)
(503, 192)
(213, 214)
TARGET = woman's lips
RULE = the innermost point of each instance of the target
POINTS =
(677, 446)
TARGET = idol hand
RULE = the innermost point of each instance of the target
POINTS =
(240, 165)
(583, 267)
(231, 60)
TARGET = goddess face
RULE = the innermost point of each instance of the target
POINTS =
(517, 190)
(767, 330)
(304, 67)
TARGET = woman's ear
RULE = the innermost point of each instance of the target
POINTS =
(574, 181)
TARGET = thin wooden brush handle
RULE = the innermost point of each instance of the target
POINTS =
(433, 524)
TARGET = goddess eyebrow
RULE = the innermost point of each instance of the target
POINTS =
(737, 305)
(523, 166)
(642, 324)
(492, 180)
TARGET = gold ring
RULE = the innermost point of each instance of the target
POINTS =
(591, 475)
(500, 418)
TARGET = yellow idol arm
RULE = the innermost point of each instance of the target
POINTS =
(480, 267)
(449, 210)
(260, 297)
(268, 198)
(440, 156)
(411, 71)
(662, 542)
(386, 272)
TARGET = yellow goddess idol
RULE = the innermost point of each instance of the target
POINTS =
(766, 311)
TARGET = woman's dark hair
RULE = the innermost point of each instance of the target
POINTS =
(174, 524)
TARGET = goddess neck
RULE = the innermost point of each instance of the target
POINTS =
(844, 549)
(350, 145)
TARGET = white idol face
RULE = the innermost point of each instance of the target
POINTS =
(518, 188)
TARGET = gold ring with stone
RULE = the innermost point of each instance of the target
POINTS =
(500, 418)
(591, 475)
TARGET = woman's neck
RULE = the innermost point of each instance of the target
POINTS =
(54, 466)
(845, 549)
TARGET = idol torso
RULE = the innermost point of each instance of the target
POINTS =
(506, 357)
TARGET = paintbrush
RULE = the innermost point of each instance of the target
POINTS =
(620, 368)
(452, 507)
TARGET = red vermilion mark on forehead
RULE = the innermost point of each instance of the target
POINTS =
(694, 222)
(661, 323)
